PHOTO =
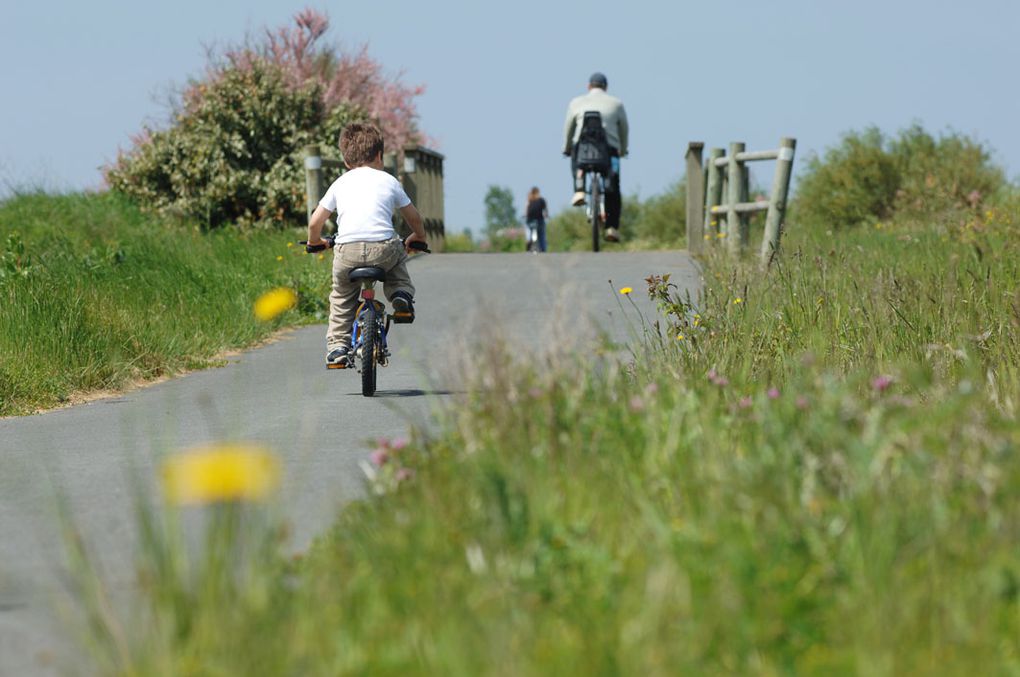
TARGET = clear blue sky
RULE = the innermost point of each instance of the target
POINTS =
(79, 77)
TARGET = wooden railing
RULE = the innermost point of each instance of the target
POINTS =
(709, 217)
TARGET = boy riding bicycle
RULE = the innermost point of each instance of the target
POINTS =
(364, 199)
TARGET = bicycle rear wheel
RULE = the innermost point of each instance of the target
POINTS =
(369, 347)
(596, 211)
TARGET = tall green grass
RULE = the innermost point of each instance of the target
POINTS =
(94, 295)
(809, 471)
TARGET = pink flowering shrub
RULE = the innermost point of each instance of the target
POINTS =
(232, 153)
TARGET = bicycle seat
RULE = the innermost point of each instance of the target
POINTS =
(367, 273)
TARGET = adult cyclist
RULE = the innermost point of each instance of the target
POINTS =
(614, 122)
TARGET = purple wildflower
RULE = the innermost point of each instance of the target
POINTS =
(773, 393)
(718, 379)
(380, 456)
(881, 383)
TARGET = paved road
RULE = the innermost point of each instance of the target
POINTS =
(279, 395)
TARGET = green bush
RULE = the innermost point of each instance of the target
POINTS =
(949, 173)
(457, 243)
(233, 155)
(660, 220)
(232, 151)
(651, 224)
(867, 177)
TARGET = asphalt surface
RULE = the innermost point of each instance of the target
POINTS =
(94, 456)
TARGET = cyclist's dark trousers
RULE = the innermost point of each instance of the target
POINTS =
(613, 202)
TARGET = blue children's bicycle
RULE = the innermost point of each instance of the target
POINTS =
(371, 323)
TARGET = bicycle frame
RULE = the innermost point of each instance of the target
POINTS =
(589, 178)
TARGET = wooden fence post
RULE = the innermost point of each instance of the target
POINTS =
(313, 178)
(745, 196)
(713, 192)
(695, 197)
(735, 182)
(777, 203)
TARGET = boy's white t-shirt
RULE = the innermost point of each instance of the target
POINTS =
(364, 200)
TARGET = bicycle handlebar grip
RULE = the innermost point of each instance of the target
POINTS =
(420, 246)
(313, 248)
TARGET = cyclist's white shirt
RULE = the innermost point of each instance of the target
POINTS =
(364, 200)
(614, 119)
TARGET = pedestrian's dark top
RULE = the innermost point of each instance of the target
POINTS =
(536, 209)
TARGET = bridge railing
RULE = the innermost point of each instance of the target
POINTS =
(718, 196)
(419, 170)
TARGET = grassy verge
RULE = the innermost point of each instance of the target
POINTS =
(815, 471)
(95, 295)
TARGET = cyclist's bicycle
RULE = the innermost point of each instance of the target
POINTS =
(369, 348)
(594, 163)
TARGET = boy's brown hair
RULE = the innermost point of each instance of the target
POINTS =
(360, 143)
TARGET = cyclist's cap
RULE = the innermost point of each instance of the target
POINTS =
(598, 80)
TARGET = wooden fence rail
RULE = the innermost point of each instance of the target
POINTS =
(418, 169)
(726, 176)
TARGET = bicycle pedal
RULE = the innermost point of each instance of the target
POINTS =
(402, 318)
(336, 366)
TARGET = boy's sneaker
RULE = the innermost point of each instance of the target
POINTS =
(578, 198)
(403, 308)
(338, 358)
(612, 235)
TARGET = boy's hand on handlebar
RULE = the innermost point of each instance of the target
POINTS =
(322, 245)
(410, 240)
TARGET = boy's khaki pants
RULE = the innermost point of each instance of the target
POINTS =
(344, 299)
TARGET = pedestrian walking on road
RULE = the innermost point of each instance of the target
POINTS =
(535, 216)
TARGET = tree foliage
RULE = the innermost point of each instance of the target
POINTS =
(500, 212)
(232, 151)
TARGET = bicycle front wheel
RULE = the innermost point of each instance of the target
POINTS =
(596, 211)
(370, 345)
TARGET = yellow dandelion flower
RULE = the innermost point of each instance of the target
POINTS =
(289, 245)
(220, 472)
(679, 337)
(737, 301)
(697, 322)
(721, 235)
(625, 290)
(274, 302)
(989, 214)
(322, 256)
(279, 258)
(707, 236)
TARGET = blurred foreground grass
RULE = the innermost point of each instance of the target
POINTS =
(810, 471)
(95, 295)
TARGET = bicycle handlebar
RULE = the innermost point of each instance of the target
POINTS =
(417, 245)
